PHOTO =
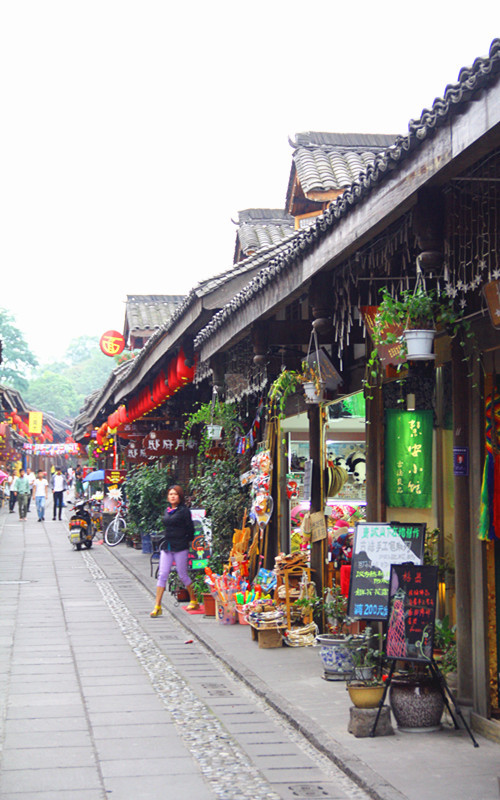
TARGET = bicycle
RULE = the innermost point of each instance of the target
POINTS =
(115, 532)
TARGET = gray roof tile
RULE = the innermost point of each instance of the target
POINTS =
(150, 311)
(262, 227)
(327, 162)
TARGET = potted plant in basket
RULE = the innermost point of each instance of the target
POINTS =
(312, 381)
(413, 316)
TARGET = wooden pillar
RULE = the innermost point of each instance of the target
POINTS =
(463, 534)
(375, 497)
(479, 577)
(317, 548)
(283, 504)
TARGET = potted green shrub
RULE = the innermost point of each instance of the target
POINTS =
(284, 386)
(336, 647)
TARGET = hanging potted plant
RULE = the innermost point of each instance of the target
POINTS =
(312, 382)
(409, 319)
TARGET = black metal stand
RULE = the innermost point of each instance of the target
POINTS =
(445, 693)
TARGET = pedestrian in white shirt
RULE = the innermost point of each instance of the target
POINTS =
(31, 480)
(40, 493)
(58, 487)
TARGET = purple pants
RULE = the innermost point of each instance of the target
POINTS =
(167, 560)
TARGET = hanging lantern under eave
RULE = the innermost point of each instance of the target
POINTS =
(183, 372)
(173, 382)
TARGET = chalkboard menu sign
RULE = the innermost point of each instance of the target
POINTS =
(410, 631)
(378, 545)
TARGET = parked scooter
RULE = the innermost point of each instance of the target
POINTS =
(81, 526)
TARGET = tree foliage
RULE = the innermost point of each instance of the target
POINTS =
(54, 394)
(17, 359)
(65, 384)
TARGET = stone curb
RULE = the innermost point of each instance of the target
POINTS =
(362, 774)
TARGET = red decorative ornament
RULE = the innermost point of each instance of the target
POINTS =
(173, 381)
(112, 343)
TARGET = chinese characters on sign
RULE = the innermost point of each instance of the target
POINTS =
(376, 547)
(410, 632)
(408, 459)
(160, 443)
(35, 422)
(112, 343)
(114, 476)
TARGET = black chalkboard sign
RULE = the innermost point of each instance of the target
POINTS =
(412, 612)
(378, 545)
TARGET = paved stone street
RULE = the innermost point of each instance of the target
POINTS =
(98, 700)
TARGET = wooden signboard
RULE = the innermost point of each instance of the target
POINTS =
(378, 545)
(412, 612)
(114, 476)
(168, 443)
(318, 526)
(491, 293)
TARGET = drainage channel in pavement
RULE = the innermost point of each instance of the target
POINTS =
(243, 747)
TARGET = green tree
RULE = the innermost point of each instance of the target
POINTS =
(82, 348)
(53, 394)
(17, 358)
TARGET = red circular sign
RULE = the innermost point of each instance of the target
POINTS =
(112, 343)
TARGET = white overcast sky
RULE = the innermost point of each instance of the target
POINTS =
(132, 132)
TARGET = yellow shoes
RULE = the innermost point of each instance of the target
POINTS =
(193, 605)
(157, 612)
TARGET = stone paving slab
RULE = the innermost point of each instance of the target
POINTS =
(290, 680)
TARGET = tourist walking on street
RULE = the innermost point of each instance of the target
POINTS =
(40, 493)
(78, 481)
(31, 478)
(22, 488)
(12, 493)
(179, 533)
(58, 487)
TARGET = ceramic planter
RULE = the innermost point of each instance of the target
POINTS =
(417, 703)
(419, 344)
(365, 696)
(214, 432)
(363, 673)
(311, 392)
(336, 655)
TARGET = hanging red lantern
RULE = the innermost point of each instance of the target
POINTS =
(184, 373)
(173, 381)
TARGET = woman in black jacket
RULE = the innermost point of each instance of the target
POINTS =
(179, 533)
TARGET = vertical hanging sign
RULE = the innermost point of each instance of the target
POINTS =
(408, 459)
(35, 422)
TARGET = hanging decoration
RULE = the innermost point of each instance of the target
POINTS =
(247, 441)
(489, 519)
(56, 449)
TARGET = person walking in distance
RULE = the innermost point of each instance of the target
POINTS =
(40, 493)
(22, 487)
(11, 480)
(179, 533)
(31, 478)
(58, 487)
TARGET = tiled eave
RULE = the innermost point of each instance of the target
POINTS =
(435, 146)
